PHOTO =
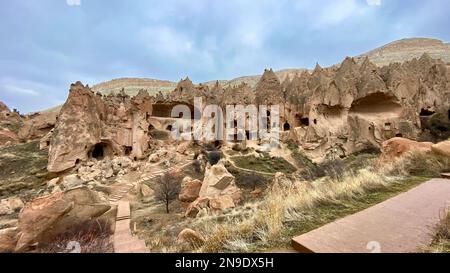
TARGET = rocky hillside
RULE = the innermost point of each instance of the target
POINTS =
(407, 49)
(133, 85)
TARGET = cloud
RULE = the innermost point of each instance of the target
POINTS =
(20, 90)
(73, 2)
(373, 2)
(54, 45)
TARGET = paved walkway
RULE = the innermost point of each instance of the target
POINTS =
(124, 241)
(402, 224)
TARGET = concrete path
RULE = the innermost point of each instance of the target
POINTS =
(402, 224)
(124, 241)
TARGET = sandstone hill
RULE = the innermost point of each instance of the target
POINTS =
(132, 86)
(407, 49)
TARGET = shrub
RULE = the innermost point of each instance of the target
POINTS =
(418, 163)
(333, 168)
(441, 241)
(167, 189)
(214, 156)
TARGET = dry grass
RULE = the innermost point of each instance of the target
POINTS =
(441, 242)
(307, 205)
(91, 236)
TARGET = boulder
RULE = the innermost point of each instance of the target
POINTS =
(190, 191)
(191, 237)
(183, 147)
(72, 181)
(154, 158)
(53, 182)
(397, 147)
(221, 203)
(8, 239)
(146, 190)
(44, 218)
(5, 210)
(14, 204)
(442, 148)
(11, 205)
(218, 192)
(217, 179)
(195, 207)
(256, 193)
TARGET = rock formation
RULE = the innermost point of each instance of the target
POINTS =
(46, 217)
(331, 112)
(92, 126)
(10, 123)
(397, 147)
(218, 192)
(38, 125)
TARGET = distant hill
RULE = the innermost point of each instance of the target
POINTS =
(133, 85)
(407, 49)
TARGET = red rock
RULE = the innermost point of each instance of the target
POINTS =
(396, 147)
(190, 191)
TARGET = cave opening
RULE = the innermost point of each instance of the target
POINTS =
(387, 126)
(100, 150)
(128, 150)
(286, 126)
(376, 105)
(304, 121)
(426, 113)
(169, 128)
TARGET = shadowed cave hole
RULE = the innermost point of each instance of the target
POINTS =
(426, 113)
(375, 104)
(128, 150)
(100, 150)
(286, 126)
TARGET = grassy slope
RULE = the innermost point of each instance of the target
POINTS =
(264, 164)
(23, 170)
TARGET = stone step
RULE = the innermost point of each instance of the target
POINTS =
(445, 175)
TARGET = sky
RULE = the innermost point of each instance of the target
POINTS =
(48, 44)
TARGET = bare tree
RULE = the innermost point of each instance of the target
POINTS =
(167, 189)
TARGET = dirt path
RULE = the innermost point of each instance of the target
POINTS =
(402, 224)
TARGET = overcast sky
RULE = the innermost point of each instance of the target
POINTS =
(48, 44)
